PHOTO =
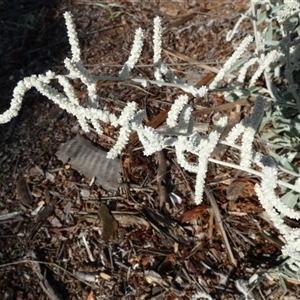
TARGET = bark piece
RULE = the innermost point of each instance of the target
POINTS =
(91, 161)
(163, 178)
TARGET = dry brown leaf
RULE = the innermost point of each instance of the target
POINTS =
(235, 190)
(194, 213)
(241, 187)
(70, 229)
(23, 192)
(129, 220)
(90, 296)
(105, 276)
(109, 224)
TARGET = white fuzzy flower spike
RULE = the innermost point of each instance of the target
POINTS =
(72, 34)
(235, 56)
(175, 110)
(157, 42)
(134, 54)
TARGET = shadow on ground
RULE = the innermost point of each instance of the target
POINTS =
(31, 42)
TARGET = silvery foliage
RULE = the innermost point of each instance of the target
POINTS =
(179, 133)
(276, 58)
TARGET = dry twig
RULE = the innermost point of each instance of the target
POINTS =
(218, 219)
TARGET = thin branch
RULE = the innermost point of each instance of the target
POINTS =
(219, 221)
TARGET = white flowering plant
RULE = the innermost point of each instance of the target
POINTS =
(283, 107)
(276, 57)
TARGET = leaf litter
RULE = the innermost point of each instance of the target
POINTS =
(159, 249)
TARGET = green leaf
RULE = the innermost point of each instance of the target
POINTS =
(284, 161)
(271, 43)
(282, 283)
(298, 30)
(269, 13)
(262, 17)
(234, 97)
(290, 199)
(237, 64)
(276, 93)
(269, 33)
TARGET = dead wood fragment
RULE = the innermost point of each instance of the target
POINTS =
(91, 161)
(163, 177)
(88, 250)
(4, 217)
(195, 61)
(220, 224)
(230, 105)
(109, 224)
